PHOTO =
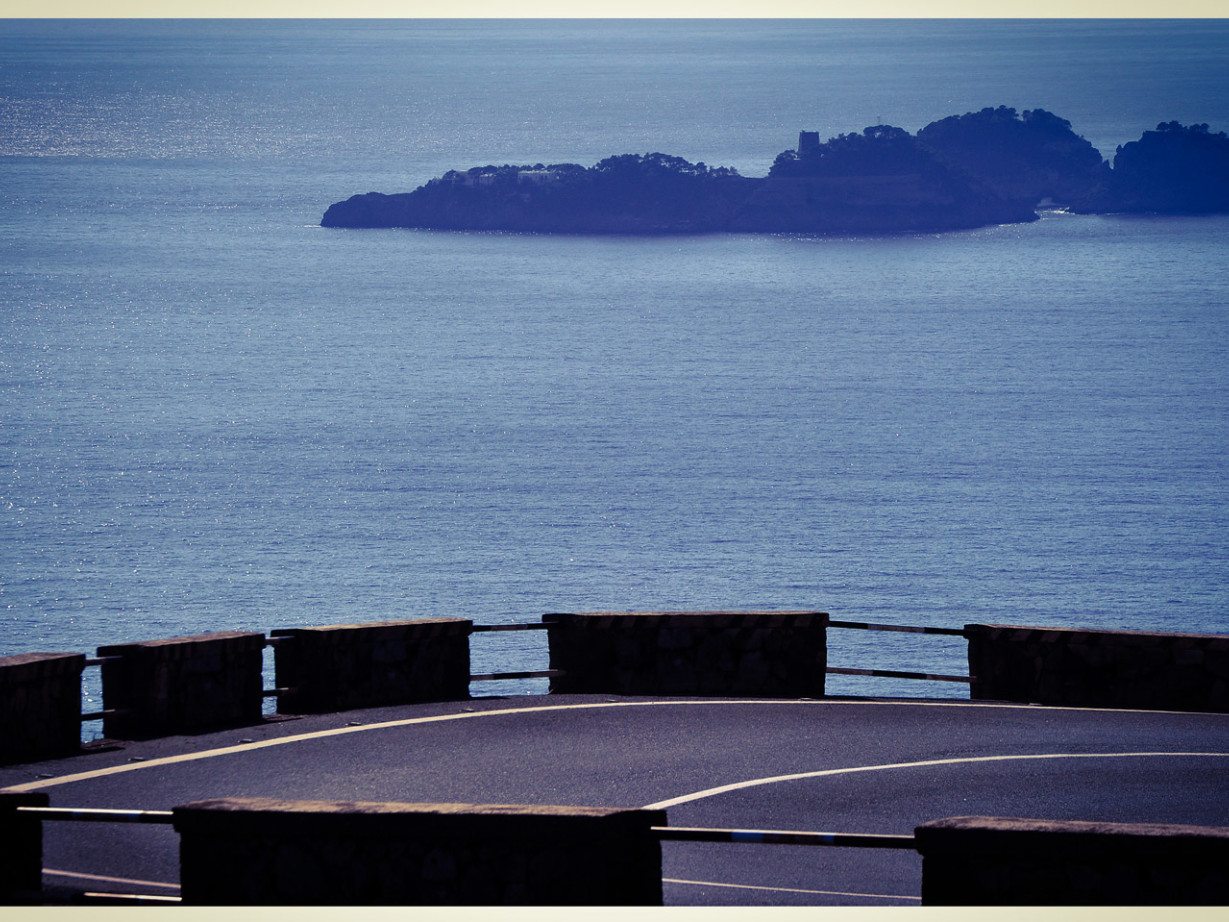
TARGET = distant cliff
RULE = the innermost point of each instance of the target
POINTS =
(978, 169)
(1173, 170)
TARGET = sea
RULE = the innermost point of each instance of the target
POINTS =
(216, 415)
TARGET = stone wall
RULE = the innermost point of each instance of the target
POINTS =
(40, 706)
(322, 669)
(1114, 669)
(21, 868)
(240, 851)
(183, 684)
(998, 861)
(766, 654)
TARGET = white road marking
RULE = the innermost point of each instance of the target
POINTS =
(713, 883)
(828, 772)
(126, 881)
(503, 712)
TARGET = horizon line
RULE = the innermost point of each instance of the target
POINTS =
(681, 10)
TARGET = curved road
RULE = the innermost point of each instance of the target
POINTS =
(831, 765)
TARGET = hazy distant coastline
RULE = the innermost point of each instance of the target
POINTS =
(996, 166)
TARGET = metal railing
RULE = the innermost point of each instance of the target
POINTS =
(497, 676)
(523, 626)
(554, 673)
(782, 837)
(831, 670)
(105, 712)
(895, 673)
(900, 628)
(501, 676)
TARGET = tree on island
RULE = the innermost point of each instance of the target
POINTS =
(878, 150)
(1032, 155)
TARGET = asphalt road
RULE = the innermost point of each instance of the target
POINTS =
(832, 765)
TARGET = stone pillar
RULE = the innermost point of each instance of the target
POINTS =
(40, 706)
(21, 868)
(760, 654)
(351, 666)
(183, 684)
(258, 851)
(998, 861)
(1112, 669)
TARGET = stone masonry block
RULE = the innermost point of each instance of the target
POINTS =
(994, 861)
(40, 706)
(347, 666)
(260, 851)
(350, 666)
(183, 684)
(1113, 669)
(765, 654)
(21, 870)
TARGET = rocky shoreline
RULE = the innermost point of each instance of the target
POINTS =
(995, 166)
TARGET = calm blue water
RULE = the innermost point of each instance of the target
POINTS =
(217, 415)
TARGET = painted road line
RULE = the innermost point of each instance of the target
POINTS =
(240, 748)
(927, 763)
(713, 883)
(98, 815)
(100, 878)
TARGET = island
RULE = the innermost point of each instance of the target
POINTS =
(996, 166)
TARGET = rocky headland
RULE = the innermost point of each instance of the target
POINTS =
(995, 166)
